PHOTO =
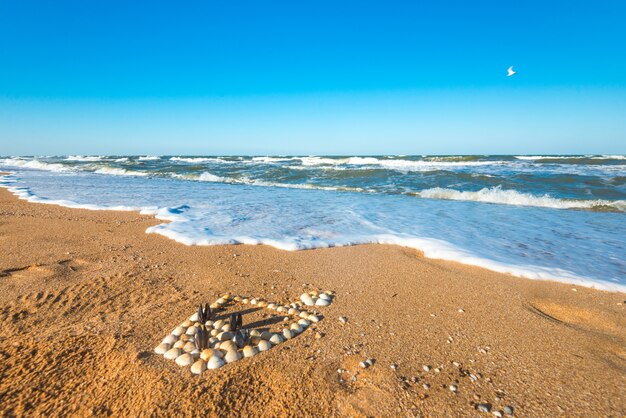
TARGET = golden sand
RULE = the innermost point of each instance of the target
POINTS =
(86, 296)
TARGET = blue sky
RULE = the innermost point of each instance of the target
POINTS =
(312, 77)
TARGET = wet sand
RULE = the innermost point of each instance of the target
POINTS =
(86, 296)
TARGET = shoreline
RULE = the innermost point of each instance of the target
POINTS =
(85, 296)
(436, 251)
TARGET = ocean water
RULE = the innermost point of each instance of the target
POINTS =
(559, 218)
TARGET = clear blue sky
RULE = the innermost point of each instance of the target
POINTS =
(312, 77)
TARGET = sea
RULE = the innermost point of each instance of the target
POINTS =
(550, 217)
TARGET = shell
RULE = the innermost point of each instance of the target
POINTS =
(304, 322)
(232, 355)
(303, 315)
(218, 324)
(170, 339)
(271, 306)
(209, 352)
(245, 301)
(189, 347)
(187, 323)
(293, 311)
(313, 318)
(276, 339)
(194, 317)
(307, 299)
(228, 345)
(226, 296)
(322, 302)
(262, 304)
(221, 301)
(254, 301)
(249, 351)
(325, 296)
(179, 344)
(162, 348)
(214, 332)
(198, 367)
(223, 336)
(281, 309)
(237, 298)
(255, 333)
(214, 363)
(191, 330)
(178, 331)
(172, 353)
(264, 345)
(184, 360)
(297, 328)
(288, 334)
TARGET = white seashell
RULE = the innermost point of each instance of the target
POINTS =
(288, 334)
(172, 353)
(303, 315)
(245, 301)
(208, 352)
(322, 302)
(305, 323)
(178, 331)
(226, 328)
(264, 345)
(293, 311)
(214, 306)
(184, 360)
(194, 317)
(271, 306)
(276, 339)
(262, 304)
(170, 339)
(232, 355)
(179, 344)
(249, 351)
(281, 309)
(220, 301)
(228, 345)
(189, 347)
(223, 336)
(186, 324)
(226, 296)
(237, 298)
(313, 318)
(218, 324)
(209, 324)
(254, 301)
(198, 367)
(297, 328)
(195, 354)
(213, 341)
(307, 299)
(162, 348)
(214, 363)
(191, 331)
(325, 296)
(255, 333)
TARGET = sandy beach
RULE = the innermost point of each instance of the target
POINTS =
(86, 296)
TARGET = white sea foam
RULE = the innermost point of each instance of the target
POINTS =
(149, 158)
(34, 164)
(513, 197)
(86, 158)
(200, 160)
(115, 171)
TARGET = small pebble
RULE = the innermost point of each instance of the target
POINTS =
(318, 335)
(508, 410)
(453, 388)
(426, 386)
(461, 311)
(343, 319)
(426, 368)
(394, 366)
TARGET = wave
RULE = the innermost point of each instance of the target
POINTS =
(513, 197)
(35, 164)
(149, 158)
(86, 158)
(114, 171)
(200, 160)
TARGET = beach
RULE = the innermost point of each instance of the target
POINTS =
(86, 296)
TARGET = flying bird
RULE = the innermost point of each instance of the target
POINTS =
(510, 71)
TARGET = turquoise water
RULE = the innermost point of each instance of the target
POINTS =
(551, 217)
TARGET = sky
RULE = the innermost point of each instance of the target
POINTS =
(312, 77)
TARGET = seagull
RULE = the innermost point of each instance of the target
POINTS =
(510, 71)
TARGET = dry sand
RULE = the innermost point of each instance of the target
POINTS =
(86, 296)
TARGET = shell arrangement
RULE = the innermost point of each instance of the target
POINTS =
(208, 340)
